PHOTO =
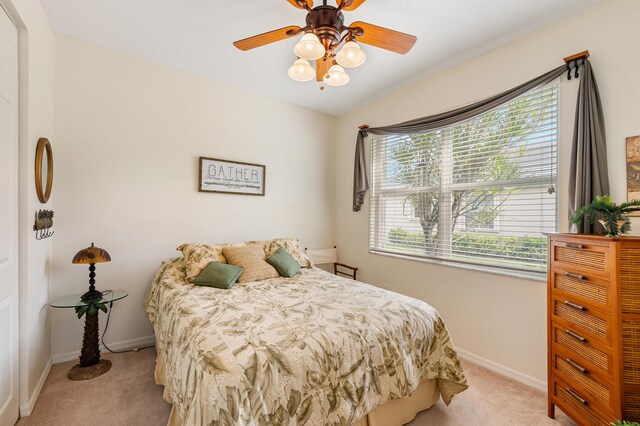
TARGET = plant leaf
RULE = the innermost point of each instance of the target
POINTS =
(81, 310)
(305, 411)
(294, 402)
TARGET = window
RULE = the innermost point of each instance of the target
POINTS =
(481, 191)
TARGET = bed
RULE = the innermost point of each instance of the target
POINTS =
(314, 349)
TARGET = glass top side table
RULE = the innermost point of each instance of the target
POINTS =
(74, 300)
(90, 365)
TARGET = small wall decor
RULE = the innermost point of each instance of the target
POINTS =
(44, 221)
(44, 170)
(633, 170)
(231, 177)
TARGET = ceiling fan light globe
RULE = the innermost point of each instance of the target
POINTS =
(301, 70)
(351, 55)
(336, 76)
(309, 47)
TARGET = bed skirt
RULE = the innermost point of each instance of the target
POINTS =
(396, 412)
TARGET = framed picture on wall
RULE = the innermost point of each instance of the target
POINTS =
(633, 170)
(231, 177)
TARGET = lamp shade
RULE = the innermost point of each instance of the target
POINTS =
(301, 70)
(351, 56)
(336, 76)
(309, 47)
(91, 254)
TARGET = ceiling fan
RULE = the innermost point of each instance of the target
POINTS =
(323, 33)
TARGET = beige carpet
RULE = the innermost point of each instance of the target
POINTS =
(127, 395)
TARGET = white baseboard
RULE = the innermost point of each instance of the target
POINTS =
(503, 370)
(116, 346)
(27, 409)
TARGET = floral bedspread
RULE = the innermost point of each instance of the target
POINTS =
(315, 349)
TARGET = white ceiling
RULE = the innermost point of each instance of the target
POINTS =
(197, 35)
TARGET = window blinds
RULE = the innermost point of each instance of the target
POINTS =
(481, 191)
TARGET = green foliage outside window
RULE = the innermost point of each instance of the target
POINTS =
(533, 250)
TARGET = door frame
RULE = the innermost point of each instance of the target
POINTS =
(23, 200)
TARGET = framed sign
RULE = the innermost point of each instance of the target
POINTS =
(633, 170)
(231, 177)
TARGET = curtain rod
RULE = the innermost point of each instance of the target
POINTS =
(575, 57)
(582, 55)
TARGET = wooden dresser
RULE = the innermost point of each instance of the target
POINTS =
(594, 327)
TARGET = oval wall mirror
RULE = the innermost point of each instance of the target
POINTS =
(44, 170)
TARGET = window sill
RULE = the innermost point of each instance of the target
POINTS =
(533, 276)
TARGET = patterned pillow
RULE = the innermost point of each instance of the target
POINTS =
(198, 256)
(292, 246)
(253, 260)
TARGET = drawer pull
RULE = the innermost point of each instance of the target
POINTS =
(576, 276)
(576, 396)
(576, 336)
(574, 246)
(575, 306)
(577, 366)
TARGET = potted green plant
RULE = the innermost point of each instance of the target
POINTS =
(614, 218)
(625, 423)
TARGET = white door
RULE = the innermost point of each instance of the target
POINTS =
(8, 221)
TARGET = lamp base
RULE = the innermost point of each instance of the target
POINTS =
(92, 294)
(87, 373)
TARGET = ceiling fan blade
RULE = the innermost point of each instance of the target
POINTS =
(322, 67)
(265, 38)
(353, 5)
(309, 3)
(385, 38)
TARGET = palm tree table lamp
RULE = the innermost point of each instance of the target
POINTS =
(90, 364)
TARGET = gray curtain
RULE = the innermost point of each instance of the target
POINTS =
(588, 175)
(360, 179)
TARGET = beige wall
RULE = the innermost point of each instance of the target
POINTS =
(129, 133)
(36, 120)
(500, 318)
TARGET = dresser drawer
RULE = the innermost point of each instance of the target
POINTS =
(574, 343)
(631, 351)
(582, 288)
(632, 405)
(596, 391)
(579, 407)
(593, 323)
(582, 258)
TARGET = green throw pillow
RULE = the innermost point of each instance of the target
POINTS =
(285, 264)
(219, 275)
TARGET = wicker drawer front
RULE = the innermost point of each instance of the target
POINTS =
(630, 280)
(570, 399)
(631, 352)
(582, 287)
(632, 406)
(588, 258)
(577, 344)
(596, 392)
(592, 322)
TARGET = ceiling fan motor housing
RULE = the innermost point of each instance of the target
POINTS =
(327, 22)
